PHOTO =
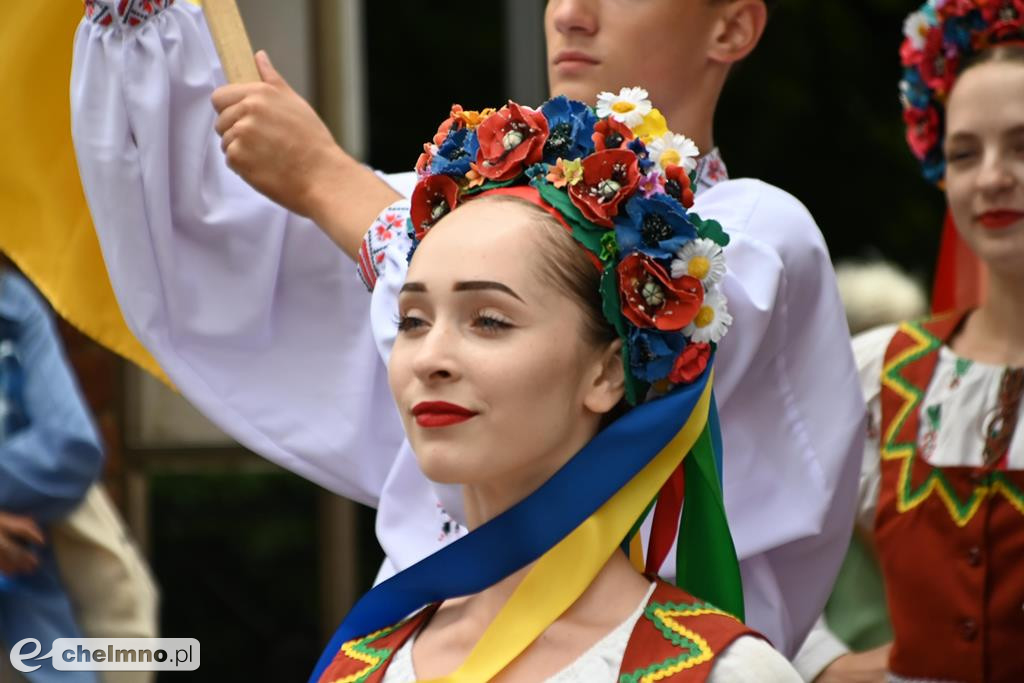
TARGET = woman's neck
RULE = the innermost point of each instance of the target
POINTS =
(994, 334)
(614, 594)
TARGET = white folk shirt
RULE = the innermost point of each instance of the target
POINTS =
(261, 322)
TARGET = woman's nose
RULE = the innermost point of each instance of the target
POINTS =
(436, 355)
(996, 176)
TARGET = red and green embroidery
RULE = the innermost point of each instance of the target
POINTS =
(695, 649)
(907, 495)
(360, 651)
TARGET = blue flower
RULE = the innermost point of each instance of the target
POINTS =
(571, 125)
(456, 153)
(957, 33)
(913, 89)
(657, 226)
(638, 148)
(652, 353)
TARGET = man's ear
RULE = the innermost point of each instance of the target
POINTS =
(738, 29)
(608, 384)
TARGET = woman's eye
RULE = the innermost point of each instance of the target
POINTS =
(960, 155)
(490, 323)
(408, 323)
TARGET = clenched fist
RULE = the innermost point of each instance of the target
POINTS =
(273, 138)
(276, 141)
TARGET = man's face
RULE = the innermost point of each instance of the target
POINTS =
(598, 45)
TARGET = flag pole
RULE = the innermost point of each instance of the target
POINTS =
(231, 39)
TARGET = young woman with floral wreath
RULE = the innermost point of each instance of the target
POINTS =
(222, 279)
(557, 281)
(942, 487)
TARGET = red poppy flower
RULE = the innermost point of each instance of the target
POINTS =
(611, 134)
(510, 140)
(609, 178)
(922, 130)
(1006, 20)
(690, 364)
(677, 184)
(938, 69)
(433, 197)
(651, 298)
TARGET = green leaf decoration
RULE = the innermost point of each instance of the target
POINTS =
(612, 308)
(709, 229)
(489, 185)
(585, 232)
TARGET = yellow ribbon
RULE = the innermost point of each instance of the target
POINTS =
(562, 575)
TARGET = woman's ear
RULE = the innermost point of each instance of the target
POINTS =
(738, 30)
(608, 383)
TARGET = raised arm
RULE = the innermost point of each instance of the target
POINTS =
(254, 314)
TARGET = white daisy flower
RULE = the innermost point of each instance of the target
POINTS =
(630, 106)
(674, 149)
(712, 321)
(702, 259)
(916, 29)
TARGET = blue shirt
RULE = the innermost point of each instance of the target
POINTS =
(49, 456)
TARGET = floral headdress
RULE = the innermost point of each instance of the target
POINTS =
(621, 183)
(940, 38)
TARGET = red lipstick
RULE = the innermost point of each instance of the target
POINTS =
(432, 414)
(1002, 218)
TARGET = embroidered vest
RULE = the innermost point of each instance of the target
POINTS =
(676, 640)
(950, 539)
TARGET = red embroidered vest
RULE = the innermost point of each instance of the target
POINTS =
(676, 640)
(950, 539)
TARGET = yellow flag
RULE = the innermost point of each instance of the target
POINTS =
(45, 227)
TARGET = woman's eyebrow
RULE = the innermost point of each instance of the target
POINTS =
(478, 285)
(413, 287)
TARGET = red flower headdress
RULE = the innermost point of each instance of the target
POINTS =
(659, 262)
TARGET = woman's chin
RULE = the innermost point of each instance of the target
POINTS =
(444, 468)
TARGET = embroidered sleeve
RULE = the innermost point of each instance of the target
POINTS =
(372, 254)
(123, 13)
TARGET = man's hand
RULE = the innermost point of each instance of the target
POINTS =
(277, 143)
(859, 667)
(17, 534)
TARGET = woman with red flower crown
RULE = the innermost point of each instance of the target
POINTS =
(276, 294)
(942, 486)
(542, 262)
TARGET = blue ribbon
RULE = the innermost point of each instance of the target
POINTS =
(534, 525)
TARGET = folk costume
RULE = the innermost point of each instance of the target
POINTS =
(942, 482)
(671, 636)
(216, 281)
(624, 195)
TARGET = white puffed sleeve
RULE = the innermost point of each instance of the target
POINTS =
(822, 646)
(254, 314)
(791, 408)
(752, 659)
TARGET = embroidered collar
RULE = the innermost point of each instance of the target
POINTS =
(710, 171)
(128, 13)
